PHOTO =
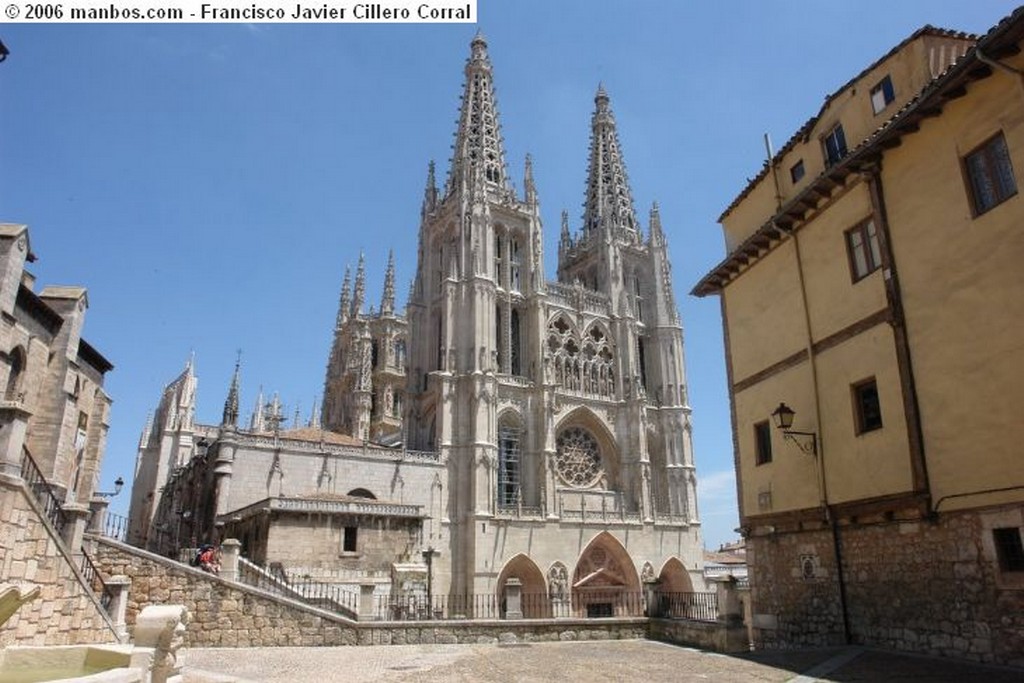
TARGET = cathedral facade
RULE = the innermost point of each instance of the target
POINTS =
(504, 427)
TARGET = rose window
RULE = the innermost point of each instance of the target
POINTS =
(578, 459)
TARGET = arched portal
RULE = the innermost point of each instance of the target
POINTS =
(674, 578)
(535, 603)
(605, 583)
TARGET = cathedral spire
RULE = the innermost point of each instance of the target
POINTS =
(478, 138)
(146, 431)
(230, 416)
(609, 200)
(257, 423)
(657, 236)
(360, 293)
(430, 192)
(387, 299)
(345, 300)
(529, 187)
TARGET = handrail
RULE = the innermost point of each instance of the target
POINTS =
(37, 484)
(96, 583)
(41, 491)
(323, 595)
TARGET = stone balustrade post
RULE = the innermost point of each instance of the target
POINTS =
(366, 601)
(732, 635)
(651, 598)
(13, 424)
(230, 549)
(730, 611)
(98, 506)
(118, 587)
(76, 516)
(513, 599)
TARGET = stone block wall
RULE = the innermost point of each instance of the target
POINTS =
(227, 614)
(66, 612)
(316, 540)
(223, 613)
(922, 586)
(707, 635)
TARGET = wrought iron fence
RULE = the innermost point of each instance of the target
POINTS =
(42, 492)
(695, 606)
(582, 605)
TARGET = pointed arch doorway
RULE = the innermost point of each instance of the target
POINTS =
(605, 583)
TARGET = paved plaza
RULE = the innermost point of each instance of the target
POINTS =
(593, 662)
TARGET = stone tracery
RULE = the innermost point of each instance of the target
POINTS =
(578, 458)
(580, 365)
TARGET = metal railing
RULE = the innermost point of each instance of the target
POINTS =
(95, 581)
(694, 606)
(41, 491)
(36, 483)
(583, 605)
(333, 597)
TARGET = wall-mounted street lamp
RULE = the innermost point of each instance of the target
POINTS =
(118, 485)
(783, 418)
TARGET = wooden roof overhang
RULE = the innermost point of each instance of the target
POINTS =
(1002, 41)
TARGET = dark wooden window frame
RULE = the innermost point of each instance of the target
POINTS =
(762, 443)
(865, 420)
(872, 255)
(986, 152)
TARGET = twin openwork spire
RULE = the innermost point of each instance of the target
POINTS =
(609, 204)
(478, 144)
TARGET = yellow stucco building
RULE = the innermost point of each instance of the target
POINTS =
(873, 294)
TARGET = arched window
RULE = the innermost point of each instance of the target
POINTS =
(514, 343)
(499, 260)
(400, 353)
(513, 254)
(499, 338)
(509, 465)
(642, 362)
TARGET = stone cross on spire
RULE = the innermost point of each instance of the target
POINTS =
(609, 200)
(478, 142)
(387, 299)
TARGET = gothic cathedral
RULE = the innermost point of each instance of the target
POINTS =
(507, 426)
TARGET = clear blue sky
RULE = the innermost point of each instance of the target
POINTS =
(208, 183)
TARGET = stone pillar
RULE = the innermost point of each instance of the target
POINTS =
(652, 609)
(730, 617)
(366, 601)
(76, 516)
(230, 549)
(118, 587)
(729, 608)
(98, 506)
(13, 421)
(513, 599)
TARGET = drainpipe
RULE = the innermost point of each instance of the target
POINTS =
(837, 546)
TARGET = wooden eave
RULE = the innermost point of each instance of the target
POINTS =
(927, 104)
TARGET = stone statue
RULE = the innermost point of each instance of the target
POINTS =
(161, 628)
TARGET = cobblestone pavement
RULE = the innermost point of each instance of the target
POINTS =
(580, 661)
